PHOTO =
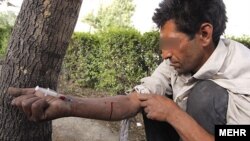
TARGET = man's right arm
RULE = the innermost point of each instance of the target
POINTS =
(107, 108)
(38, 107)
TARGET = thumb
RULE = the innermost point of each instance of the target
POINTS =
(20, 91)
(143, 97)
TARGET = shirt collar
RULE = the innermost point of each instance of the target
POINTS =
(214, 62)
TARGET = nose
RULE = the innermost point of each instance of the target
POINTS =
(166, 54)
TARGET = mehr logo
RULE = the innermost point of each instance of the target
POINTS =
(232, 132)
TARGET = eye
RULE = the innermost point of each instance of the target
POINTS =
(168, 44)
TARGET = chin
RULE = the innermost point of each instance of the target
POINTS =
(181, 71)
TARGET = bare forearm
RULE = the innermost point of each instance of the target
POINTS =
(110, 108)
(188, 128)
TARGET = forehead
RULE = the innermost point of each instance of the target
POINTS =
(168, 30)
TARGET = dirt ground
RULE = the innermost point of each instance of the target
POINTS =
(80, 129)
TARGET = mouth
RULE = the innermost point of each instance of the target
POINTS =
(175, 64)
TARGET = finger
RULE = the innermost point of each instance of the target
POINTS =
(38, 109)
(149, 116)
(27, 103)
(40, 94)
(146, 110)
(20, 91)
(143, 97)
(18, 100)
(144, 104)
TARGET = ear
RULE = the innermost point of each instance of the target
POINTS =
(205, 34)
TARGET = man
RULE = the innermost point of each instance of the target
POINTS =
(207, 77)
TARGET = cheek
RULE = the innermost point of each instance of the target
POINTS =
(187, 59)
(183, 55)
(192, 60)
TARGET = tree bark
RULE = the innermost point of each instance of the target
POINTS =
(35, 53)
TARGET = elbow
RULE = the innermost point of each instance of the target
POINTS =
(126, 109)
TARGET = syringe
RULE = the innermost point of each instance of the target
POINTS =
(50, 92)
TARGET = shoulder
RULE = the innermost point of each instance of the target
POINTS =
(232, 44)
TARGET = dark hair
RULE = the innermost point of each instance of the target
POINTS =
(190, 14)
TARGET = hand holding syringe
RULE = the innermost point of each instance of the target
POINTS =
(50, 92)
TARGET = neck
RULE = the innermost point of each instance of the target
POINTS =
(208, 51)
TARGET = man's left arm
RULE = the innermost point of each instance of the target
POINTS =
(161, 108)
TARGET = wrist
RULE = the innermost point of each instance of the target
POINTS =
(175, 114)
(70, 103)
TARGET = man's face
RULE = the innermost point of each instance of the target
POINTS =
(185, 55)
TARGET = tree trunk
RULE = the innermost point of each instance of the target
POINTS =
(35, 53)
